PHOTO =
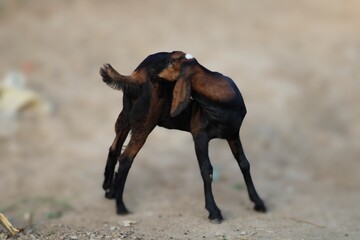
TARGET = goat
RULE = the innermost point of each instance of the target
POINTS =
(174, 91)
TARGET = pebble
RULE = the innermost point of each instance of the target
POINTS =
(128, 223)
(220, 235)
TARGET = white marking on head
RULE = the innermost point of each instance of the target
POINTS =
(188, 56)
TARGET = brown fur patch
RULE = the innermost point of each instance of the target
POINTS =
(177, 54)
(139, 76)
(215, 88)
(169, 74)
(172, 71)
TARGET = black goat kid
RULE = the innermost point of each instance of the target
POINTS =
(174, 91)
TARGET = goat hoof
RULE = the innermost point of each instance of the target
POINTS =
(260, 208)
(216, 221)
(109, 194)
(106, 185)
(216, 217)
(122, 210)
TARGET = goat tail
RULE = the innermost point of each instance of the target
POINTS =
(112, 78)
(128, 84)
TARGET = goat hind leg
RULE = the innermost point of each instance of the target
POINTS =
(122, 130)
(238, 152)
(109, 176)
(125, 161)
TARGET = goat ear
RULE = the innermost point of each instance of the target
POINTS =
(181, 96)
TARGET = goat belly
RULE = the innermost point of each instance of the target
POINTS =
(222, 115)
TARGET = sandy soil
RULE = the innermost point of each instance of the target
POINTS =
(297, 65)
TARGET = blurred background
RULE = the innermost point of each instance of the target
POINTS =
(297, 65)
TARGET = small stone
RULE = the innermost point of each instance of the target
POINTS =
(112, 228)
(242, 233)
(73, 237)
(128, 223)
(220, 234)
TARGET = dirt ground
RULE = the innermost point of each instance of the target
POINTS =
(297, 64)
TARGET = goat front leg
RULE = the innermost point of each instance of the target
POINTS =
(238, 152)
(125, 161)
(122, 130)
(202, 147)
